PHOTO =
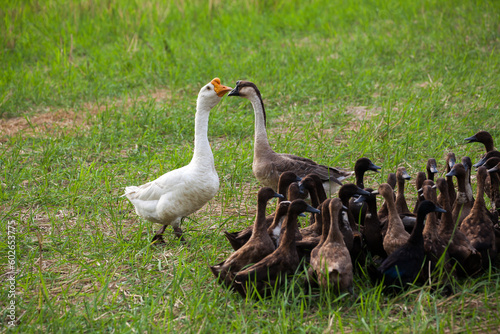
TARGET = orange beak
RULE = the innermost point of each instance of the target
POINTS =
(221, 90)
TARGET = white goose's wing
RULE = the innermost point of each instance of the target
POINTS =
(154, 190)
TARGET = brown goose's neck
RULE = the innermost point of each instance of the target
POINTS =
(260, 137)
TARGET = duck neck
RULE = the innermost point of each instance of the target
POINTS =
(359, 179)
(391, 208)
(202, 152)
(446, 223)
(261, 143)
(416, 236)
(334, 234)
(401, 187)
(289, 229)
(479, 202)
(259, 227)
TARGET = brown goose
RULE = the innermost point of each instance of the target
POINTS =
(459, 248)
(267, 164)
(450, 162)
(483, 137)
(332, 262)
(256, 248)
(477, 226)
(396, 235)
(464, 202)
(238, 239)
(269, 272)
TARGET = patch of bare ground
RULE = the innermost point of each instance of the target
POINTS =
(63, 120)
(359, 114)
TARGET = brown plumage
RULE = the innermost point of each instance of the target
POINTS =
(434, 245)
(396, 235)
(238, 239)
(383, 212)
(372, 231)
(431, 168)
(271, 270)
(460, 249)
(267, 164)
(308, 244)
(492, 184)
(419, 183)
(464, 201)
(450, 162)
(401, 176)
(483, 137)
(258, 246)
(350, 230)
(332, 262)
(360, 168)
(477, 226)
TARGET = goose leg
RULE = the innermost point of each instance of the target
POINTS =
(158, 239)
(178, 233)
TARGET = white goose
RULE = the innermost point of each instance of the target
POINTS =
(181, 192)
(268, 165)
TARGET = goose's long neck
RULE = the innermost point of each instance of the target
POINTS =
(261, 143)
(202, 152)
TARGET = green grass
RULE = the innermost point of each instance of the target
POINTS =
(425, 73)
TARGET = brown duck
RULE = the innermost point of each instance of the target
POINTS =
(238, 239)
(464, 201)
(478, 227)
(270, 272)
(450, 162)
(258, 246)
(332, 262)
(383, 212)
(396, 235)
(459, 247)
(483, 137)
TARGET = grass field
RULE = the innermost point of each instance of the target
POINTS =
(98, 95)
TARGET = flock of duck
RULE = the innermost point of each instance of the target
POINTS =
(454, 232)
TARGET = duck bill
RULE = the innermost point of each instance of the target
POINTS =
(472, 139)
(375, 168)
(494, 169)
(220, 89)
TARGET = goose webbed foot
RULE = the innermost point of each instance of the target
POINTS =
(178, 233)
(158, 239)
